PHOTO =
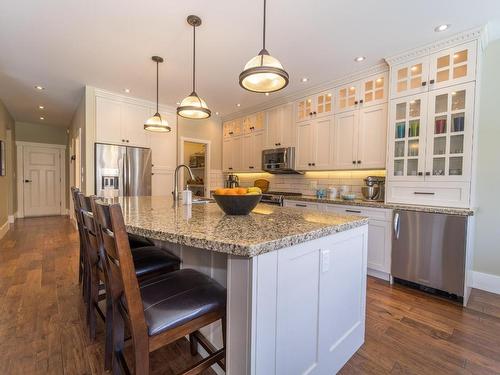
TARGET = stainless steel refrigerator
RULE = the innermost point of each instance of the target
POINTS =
(122, 170)
(429, 249)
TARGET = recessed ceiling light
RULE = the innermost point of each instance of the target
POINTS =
(440, 28)
(127, 90)
(217, 113)
(38, 87)
(42, 118)
(267, 94)
(360, 58)
(304, 79)
(238, 105)
(178, 103)
(41, 107)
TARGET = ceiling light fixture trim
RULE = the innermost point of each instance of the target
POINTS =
(156, 123)
(193, 107)
(264, 73)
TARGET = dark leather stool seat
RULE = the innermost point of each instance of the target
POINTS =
(138, 241)
(150, 260)
(179, 297)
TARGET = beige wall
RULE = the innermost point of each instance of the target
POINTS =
(487, 240)
(38, 133)
(210, 129)
(6, 122)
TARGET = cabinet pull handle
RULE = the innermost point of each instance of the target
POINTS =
(230, 168)
(423, 193)
(427, 173)
(300, 205)
(424, 83)
(28, 181)
(230, 133)
(251, 167)
(397, 224)
(353, 211)
(432, 81)
(420, 174)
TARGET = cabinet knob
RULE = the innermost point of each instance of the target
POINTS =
(361, 101)
(359, 161)
(354, 162)
(279, 144)
(314, 112)
(424, 83)
(356, 102)
(432, 81)
(313, 164)
(309, 164)
(310, 113)
(123, 140)
(128, 141)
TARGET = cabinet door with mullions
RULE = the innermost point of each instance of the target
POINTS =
(407, 128)
(449, 135)
(410, 78)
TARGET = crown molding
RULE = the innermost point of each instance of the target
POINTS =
(360, 74)
(130, 100)
(463, 37)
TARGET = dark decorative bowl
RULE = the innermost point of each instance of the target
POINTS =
(237, 204)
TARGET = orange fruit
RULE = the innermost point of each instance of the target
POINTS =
(231, 192)
(241, 191)
(220, 191)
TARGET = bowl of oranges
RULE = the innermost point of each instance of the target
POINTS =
(237, 201)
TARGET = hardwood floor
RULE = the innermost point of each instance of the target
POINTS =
(42, 328)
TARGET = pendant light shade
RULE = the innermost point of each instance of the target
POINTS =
(156, 123)
(193, 107)
(263, 73)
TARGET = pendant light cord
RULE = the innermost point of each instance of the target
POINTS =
(194, 57)
(157, 84)
(264, 28)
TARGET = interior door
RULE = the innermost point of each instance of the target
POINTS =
(344, 139)
(42, 181)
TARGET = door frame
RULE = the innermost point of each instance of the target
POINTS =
(207, 144)
(20, 146)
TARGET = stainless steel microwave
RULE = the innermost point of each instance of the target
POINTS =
(279, 161)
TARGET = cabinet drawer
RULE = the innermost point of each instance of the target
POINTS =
(299, 204)
(371, 213)
(442, 194)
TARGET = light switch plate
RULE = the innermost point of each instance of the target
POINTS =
(325, 260)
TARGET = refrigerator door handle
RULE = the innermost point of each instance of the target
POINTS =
(397, 224)
(125, 174)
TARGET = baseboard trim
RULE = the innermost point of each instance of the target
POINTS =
(486, 281)
(11, 219)
(379, 274)
(4, 228)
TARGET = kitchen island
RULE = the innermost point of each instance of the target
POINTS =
(296, 280)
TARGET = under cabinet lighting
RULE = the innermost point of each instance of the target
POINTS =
(238, 105)
(42, 118)
(441, 28)
(304, 80)
(39, 88)
(267, 94)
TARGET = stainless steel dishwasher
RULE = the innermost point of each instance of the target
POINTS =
(429, 249)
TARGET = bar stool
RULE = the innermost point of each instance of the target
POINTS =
(76, 207)
(159, 312)
(150, 262)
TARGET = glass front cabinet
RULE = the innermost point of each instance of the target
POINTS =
(431, 135)
(314, 106)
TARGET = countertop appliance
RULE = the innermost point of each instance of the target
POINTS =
(277, 197)
(279, 161)
(232, 181)
(428, 249)
(122, 170)
(374, 189)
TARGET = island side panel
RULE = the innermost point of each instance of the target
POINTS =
(308, 313)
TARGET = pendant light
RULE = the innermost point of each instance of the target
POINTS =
(264, 73)
(193, 107)
(156, 123)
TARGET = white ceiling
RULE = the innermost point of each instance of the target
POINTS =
(63, 45)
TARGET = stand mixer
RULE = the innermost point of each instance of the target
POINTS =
(374, 189)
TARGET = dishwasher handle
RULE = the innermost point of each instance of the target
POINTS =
(397, 225)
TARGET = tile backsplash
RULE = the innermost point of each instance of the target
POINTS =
(310, 181)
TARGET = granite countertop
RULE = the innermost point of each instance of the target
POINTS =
(205, 226)
(391, 206)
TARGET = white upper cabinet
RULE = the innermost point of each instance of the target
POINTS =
(344, 153)
(453, 66)
(108, 121)
(314, 106)
(410, 78)
(314, 142)
(280, 127)
(441, 69)
(362, 93)
(121, 123)
(133, 118)
(372, 137)
(253, 123)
